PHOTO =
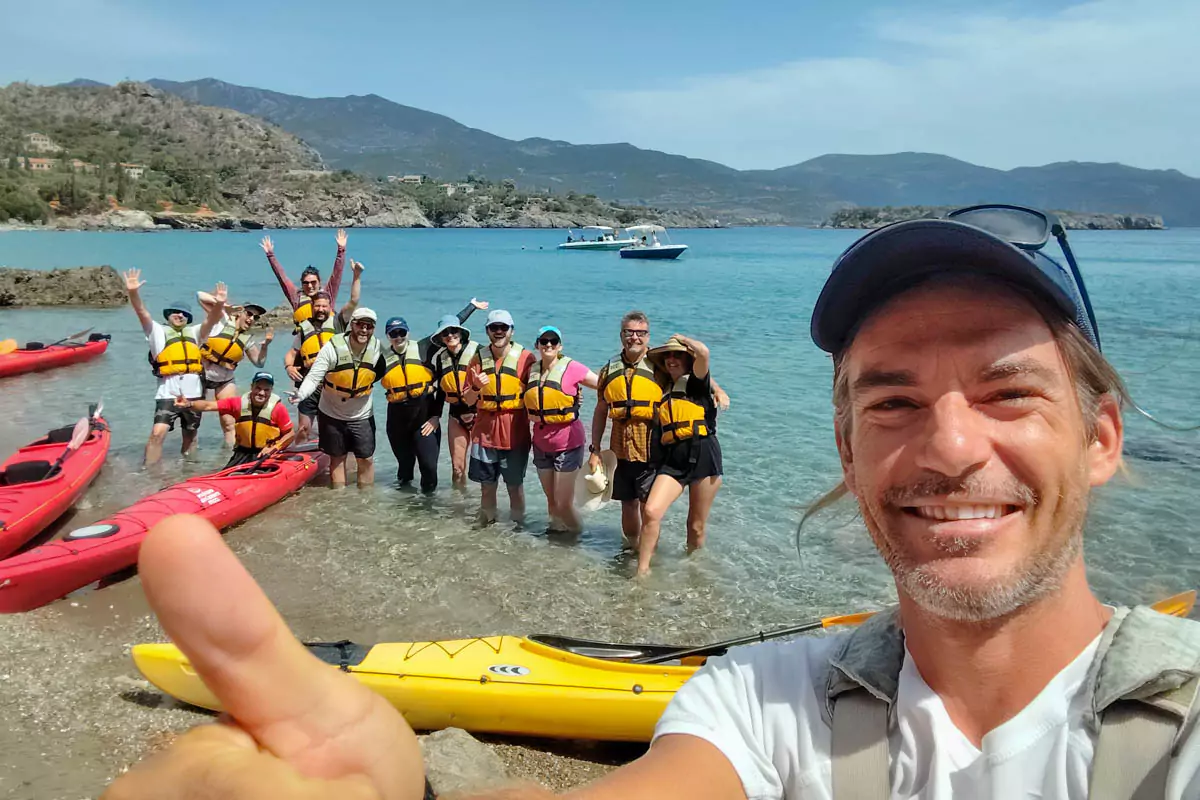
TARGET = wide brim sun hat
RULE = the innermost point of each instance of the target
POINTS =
(657, 355)
(593, 491)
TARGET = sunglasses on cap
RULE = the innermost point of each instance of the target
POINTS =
(498, 327)
(630, 333)
(546, 341)
(1027, 229)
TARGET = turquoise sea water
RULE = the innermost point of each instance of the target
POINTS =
(417, 567)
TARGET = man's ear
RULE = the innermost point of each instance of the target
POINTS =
(1104, 451)
(847, 458)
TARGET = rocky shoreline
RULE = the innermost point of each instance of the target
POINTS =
(97, 287)
(869, 218)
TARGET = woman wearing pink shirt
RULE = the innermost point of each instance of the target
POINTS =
(552, 400)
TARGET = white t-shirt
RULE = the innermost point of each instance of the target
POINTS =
(759, 706)
(188, 385)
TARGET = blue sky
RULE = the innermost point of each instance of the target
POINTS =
(752, 85)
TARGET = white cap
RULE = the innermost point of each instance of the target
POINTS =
(363, 313)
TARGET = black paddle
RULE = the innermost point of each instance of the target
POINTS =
(761, 636)
(72, 336)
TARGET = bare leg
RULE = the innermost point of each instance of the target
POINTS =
(337, 471)
(227, 422)
(666, 490)
(564, 500)
(154, 444)
(487, 502)
(516, 503)
(188, 441)
(366, 471)
(700, 500)
(546, 476)
(631, 523)
(457, 443)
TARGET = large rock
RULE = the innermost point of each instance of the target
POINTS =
(77, 286)
(457, 762)
(332, 205)
(123, 219)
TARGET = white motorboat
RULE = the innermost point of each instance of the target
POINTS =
(648, 245)
(602, 238)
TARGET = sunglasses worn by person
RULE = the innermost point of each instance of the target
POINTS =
(630, 333)
(547, 341)
(397, 333)
(498, 327)
(311, 282)
(358, 323)
(1030, 230)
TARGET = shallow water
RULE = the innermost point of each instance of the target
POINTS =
(386, 563)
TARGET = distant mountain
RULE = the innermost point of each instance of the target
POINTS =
(82, 83)
(377, 136)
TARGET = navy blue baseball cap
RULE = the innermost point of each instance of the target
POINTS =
(396, 324)
(263, 376)
(896, 257)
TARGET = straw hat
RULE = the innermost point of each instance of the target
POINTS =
(593, 490)
(673, 345)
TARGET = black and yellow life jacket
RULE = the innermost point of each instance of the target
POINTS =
(545, 400)
(406, 377)
(631, 392)
(680, 417)
(227, 348)
(351, 376)
(452, 371)
(312, 339)
(303, 310)
(504, 391)
(180, 354)
(254, 430)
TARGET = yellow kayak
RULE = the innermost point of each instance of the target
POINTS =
(528, 686)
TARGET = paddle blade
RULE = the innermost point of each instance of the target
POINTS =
(7, 346)
(79, 436)
(98, 410)
(1179, 605)
(847, 619)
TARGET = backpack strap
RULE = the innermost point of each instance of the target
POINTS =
(860, 747)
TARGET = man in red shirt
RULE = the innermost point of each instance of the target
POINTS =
(500, 438)
(262, 425)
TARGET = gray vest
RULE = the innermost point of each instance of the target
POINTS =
(1142, 684)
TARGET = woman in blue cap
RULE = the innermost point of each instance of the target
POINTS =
(552, 400)
(415, 399)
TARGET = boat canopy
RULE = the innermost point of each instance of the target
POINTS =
(604, 228)
(642, 230)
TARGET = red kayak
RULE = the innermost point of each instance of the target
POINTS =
(87, 555)
(18, 362)
(36, 489)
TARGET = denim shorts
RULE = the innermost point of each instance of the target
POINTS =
(561, 461)
(488, 465)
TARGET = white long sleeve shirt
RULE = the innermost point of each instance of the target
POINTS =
(331, 403)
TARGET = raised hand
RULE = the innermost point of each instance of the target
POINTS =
(133, 280)
(356, 267)
(267, 245)
(480, 305)
(341, 238)
(299, 728)
(221, 293)
(269, 336)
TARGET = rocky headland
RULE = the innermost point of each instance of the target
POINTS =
(98, 287)
(876, 217)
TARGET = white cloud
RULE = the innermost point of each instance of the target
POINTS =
(1100, 81)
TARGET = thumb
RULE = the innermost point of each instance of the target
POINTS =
(321, 721)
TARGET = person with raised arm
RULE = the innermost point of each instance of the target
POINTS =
(310, 279)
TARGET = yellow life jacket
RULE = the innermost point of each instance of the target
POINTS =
(254, 430)
(504, 391)
(312, 339)
(180, 354)
(303, 310)
(350, 376)
(545, 400)
(227, 348)
(681, 418)
(630, 395)
(452, 371)
(406, 377)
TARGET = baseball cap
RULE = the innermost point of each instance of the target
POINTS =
(500, 316)
(396, 324)
(363, 313)
(893, 258)
(262, 375)
(548, 329)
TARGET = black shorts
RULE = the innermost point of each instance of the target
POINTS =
(241, 455)
(338, 437)
(214, 386)
(632, 480)
(308, 406)
(690, 461)
(166, 412)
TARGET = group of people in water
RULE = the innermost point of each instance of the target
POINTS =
(503, 401)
